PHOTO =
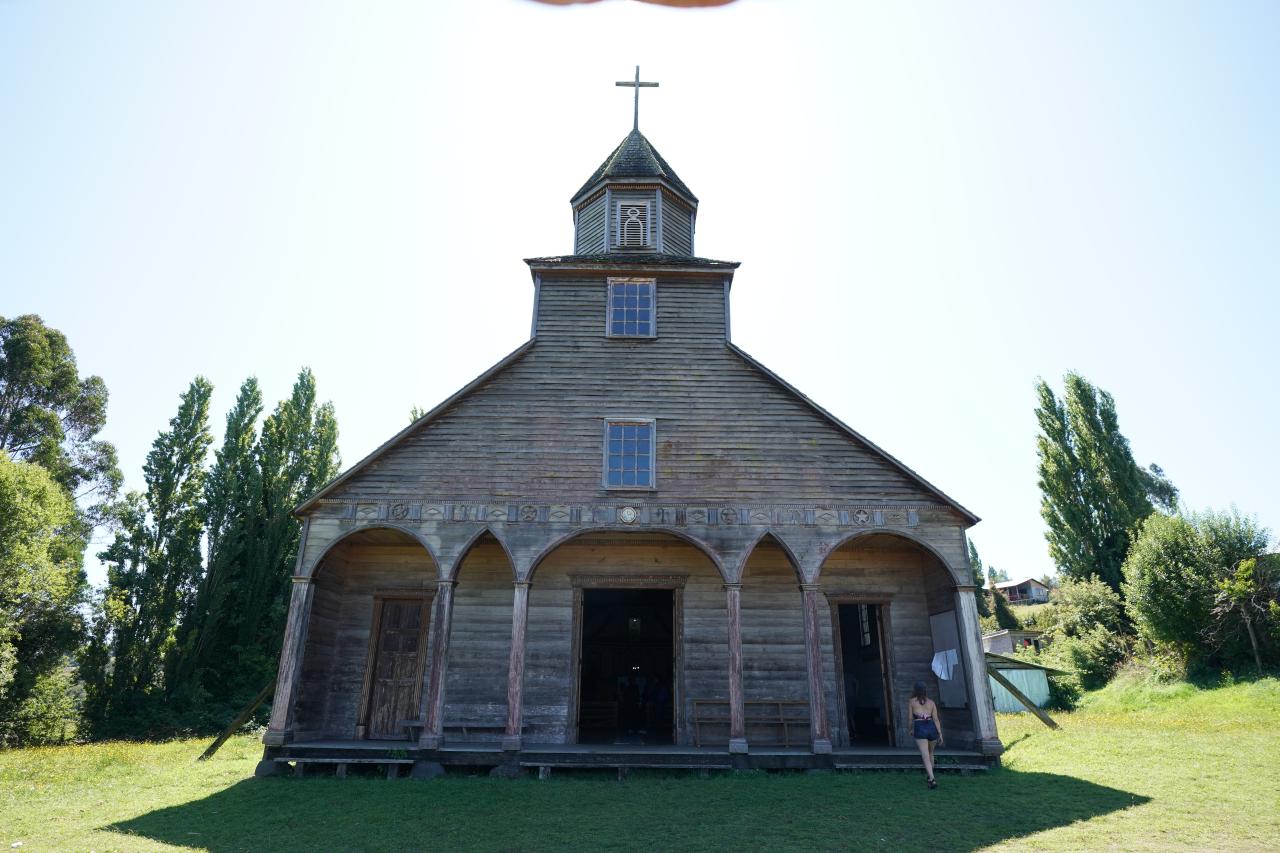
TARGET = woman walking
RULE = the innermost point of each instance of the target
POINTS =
(925, 728)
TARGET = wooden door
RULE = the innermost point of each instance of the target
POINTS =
(399, 653)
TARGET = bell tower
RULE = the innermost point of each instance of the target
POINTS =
(634, 203)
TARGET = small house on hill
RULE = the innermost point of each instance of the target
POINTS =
(628, 534)
(1025, 591)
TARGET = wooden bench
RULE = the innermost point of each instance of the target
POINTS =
(469, 726)
(785, 714)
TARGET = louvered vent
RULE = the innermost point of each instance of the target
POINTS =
(633, 225)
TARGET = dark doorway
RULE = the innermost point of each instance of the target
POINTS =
(399, 641)
(862, 661)
(626, 688)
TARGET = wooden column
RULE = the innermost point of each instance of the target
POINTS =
(280, 729)
(432, 736)
(737, 715)
(515, 672)
(819, 728)
(975, 664)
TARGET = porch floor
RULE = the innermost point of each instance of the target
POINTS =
(579, 756)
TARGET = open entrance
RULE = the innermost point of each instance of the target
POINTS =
(626, 687)
(863, 669)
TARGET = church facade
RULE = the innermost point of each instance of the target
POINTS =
(629, 532)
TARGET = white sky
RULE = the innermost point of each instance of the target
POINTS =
(934, 204)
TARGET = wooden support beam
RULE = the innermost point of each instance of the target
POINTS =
(280, 729)
(737, 715)
(819, 731)
(1018, 694)
(240, 720)
(433, 732)
(515, 670)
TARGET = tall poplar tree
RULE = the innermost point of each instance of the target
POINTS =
(206, 647)
(153, 565)
(1093, 494)
(298, 454)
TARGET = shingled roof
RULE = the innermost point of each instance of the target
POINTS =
(644, 259)
(635, 157)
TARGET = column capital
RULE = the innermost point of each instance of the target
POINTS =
(811, 587)
(446, 582)
(734, 586)
(966, 588)
(302, 579)
(524, 583)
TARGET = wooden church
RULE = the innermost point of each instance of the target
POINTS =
(628, 543)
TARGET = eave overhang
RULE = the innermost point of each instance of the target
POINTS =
(628, 262)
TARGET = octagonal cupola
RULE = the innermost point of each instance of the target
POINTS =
(634, 204)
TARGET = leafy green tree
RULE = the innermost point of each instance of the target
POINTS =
(153, 565)
(1093, 493)
(41, 588)
(1175, 575)
(979, 581)
(1251, 592)
(51, 416)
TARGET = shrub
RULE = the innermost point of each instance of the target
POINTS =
(1094, 655)
(1080, 605)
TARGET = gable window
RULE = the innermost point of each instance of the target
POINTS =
(631, 308)
(628, 459)
(633, 225)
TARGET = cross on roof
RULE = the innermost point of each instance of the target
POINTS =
(637, 84)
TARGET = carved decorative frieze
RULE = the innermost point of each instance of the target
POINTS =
(402, 510)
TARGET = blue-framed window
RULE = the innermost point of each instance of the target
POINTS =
(629, 454)
(631, 308)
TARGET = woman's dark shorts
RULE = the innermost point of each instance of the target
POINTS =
(924, 730)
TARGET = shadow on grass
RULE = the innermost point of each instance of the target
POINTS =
(754, 811)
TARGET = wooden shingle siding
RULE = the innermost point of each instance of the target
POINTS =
(341, 616)
(706, 654)
(773, 654)
(480, 643)
(589, 238)
(677, 235)
(725, 431)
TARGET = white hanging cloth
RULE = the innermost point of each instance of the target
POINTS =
(944, 662)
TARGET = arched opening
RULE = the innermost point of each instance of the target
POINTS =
(366, 655)
(626, 630)
(475, 696)
(775, 680)
(893, 608)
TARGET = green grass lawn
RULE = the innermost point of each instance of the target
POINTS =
(1138, 768)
